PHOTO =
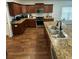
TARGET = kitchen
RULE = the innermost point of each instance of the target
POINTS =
(31, 26)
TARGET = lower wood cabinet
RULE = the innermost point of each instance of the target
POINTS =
(48, 41)
(25, 24)
(49, 19)
(20, 28)
(51, 47)
(17, 29)
(31, 23)
(46, 35)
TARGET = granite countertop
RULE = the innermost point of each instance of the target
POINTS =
(62, 47)
(22, 20)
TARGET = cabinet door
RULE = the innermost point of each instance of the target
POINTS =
(14, 8)
(49, 19)
(17, 9)
(17, 29)
(10, 6)
(39, 5)
(25, 23)
(31, 23)
(48, 8)
(31, 9)
(24, 9)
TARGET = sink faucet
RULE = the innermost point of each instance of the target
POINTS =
(59, 25)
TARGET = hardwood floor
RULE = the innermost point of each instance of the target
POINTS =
(30, 45)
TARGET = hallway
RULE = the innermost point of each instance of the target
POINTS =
(30, 45)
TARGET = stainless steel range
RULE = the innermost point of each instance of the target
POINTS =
(39, 21)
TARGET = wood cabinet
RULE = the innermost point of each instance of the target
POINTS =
(24, 8)
(31, 23)
(28, 9)
(31, 9)
(48, 8)
(46, 34)
(14, 8)
(25, 24)
(39, 5)
(17, 29)
(48, 40)
(52, 51)
(49, 19)
(20, 28)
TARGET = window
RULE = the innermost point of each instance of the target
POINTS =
(66, 13)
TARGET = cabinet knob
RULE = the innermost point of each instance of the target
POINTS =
(16, 25)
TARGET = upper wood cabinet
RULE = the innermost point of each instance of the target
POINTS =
(48, 8)
(24, 8)
(39, 5)
(14, 8)
(31, 23)
(31, 9)
(28, 9)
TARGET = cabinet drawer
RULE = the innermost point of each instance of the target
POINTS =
(48, 19)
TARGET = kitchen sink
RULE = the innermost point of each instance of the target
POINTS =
(53, 30)
(55, 33)
(62, 35)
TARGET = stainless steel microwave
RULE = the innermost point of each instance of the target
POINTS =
(40, 10)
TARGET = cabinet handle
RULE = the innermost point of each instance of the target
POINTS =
(16, 25)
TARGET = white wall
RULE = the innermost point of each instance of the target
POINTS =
(7, 28)
(58, 7)
(9, 0)
(8, 23)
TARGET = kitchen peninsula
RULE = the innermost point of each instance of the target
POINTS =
(18, 27)
(60, 48)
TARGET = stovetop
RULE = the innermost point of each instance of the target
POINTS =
(39, 18)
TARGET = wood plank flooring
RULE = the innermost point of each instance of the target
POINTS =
(30, 45)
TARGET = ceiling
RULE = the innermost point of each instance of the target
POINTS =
(35, 0)
(43, 0)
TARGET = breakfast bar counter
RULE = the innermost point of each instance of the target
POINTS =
(22, 20)
(62, 47)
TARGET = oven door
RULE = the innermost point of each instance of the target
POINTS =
(40, 23)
